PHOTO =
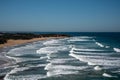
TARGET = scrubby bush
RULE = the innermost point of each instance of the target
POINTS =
(5, 36)
(2, 41)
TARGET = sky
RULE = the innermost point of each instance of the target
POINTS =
(60, 15)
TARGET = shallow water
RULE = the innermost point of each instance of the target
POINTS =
(74, 58)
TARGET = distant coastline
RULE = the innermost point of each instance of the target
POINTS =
(12, 39)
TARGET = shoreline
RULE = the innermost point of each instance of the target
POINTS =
(12, 42)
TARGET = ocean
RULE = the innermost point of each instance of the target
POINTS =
(83, 56)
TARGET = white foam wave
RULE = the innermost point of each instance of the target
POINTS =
(44, 57)
(85, 37)
(74, 55)
(90, 63)
(91, 53)
(81, 59)
(51, 49)
(74, 39)
(108, 75)
(86, 49)
(50, 66)
(116, 71)
(99, 44)
(62, 60)
(53, 42)
(97, 68)
(107, 46)
(17, 59)
(36, 65)
(47, 66)
(15, 70)
(18, 51)
(97, 60)
(15, 51)
(60, 72)
(13, 58)
(25, 77)
(40, 65)
(47, 50)
(48, 56)
(116, 49)
(11, 76)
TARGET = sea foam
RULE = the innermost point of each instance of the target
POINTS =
(99, 44)
(87, 49)
(60, 72)
(52, 42)
(61, 60)
(116, 49)
(97, 68)
(64, 67)
(108, 75)
(97, 60)
(25, 77)
(51, 49)
(74, 39)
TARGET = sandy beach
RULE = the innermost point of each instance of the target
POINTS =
(12, 42)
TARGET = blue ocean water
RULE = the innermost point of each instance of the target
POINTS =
(83, 56)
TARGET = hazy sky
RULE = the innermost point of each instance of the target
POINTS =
(60, 15)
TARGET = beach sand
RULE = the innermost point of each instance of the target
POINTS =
(12, 42)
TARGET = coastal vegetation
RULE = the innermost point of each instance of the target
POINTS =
(4, 37)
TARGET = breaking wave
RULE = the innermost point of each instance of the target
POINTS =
(108, 75)
(84, 38)
(99, 44)
(51, 49)
(116, 49)
(53, 42)
(60, 57)
(97, 60)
